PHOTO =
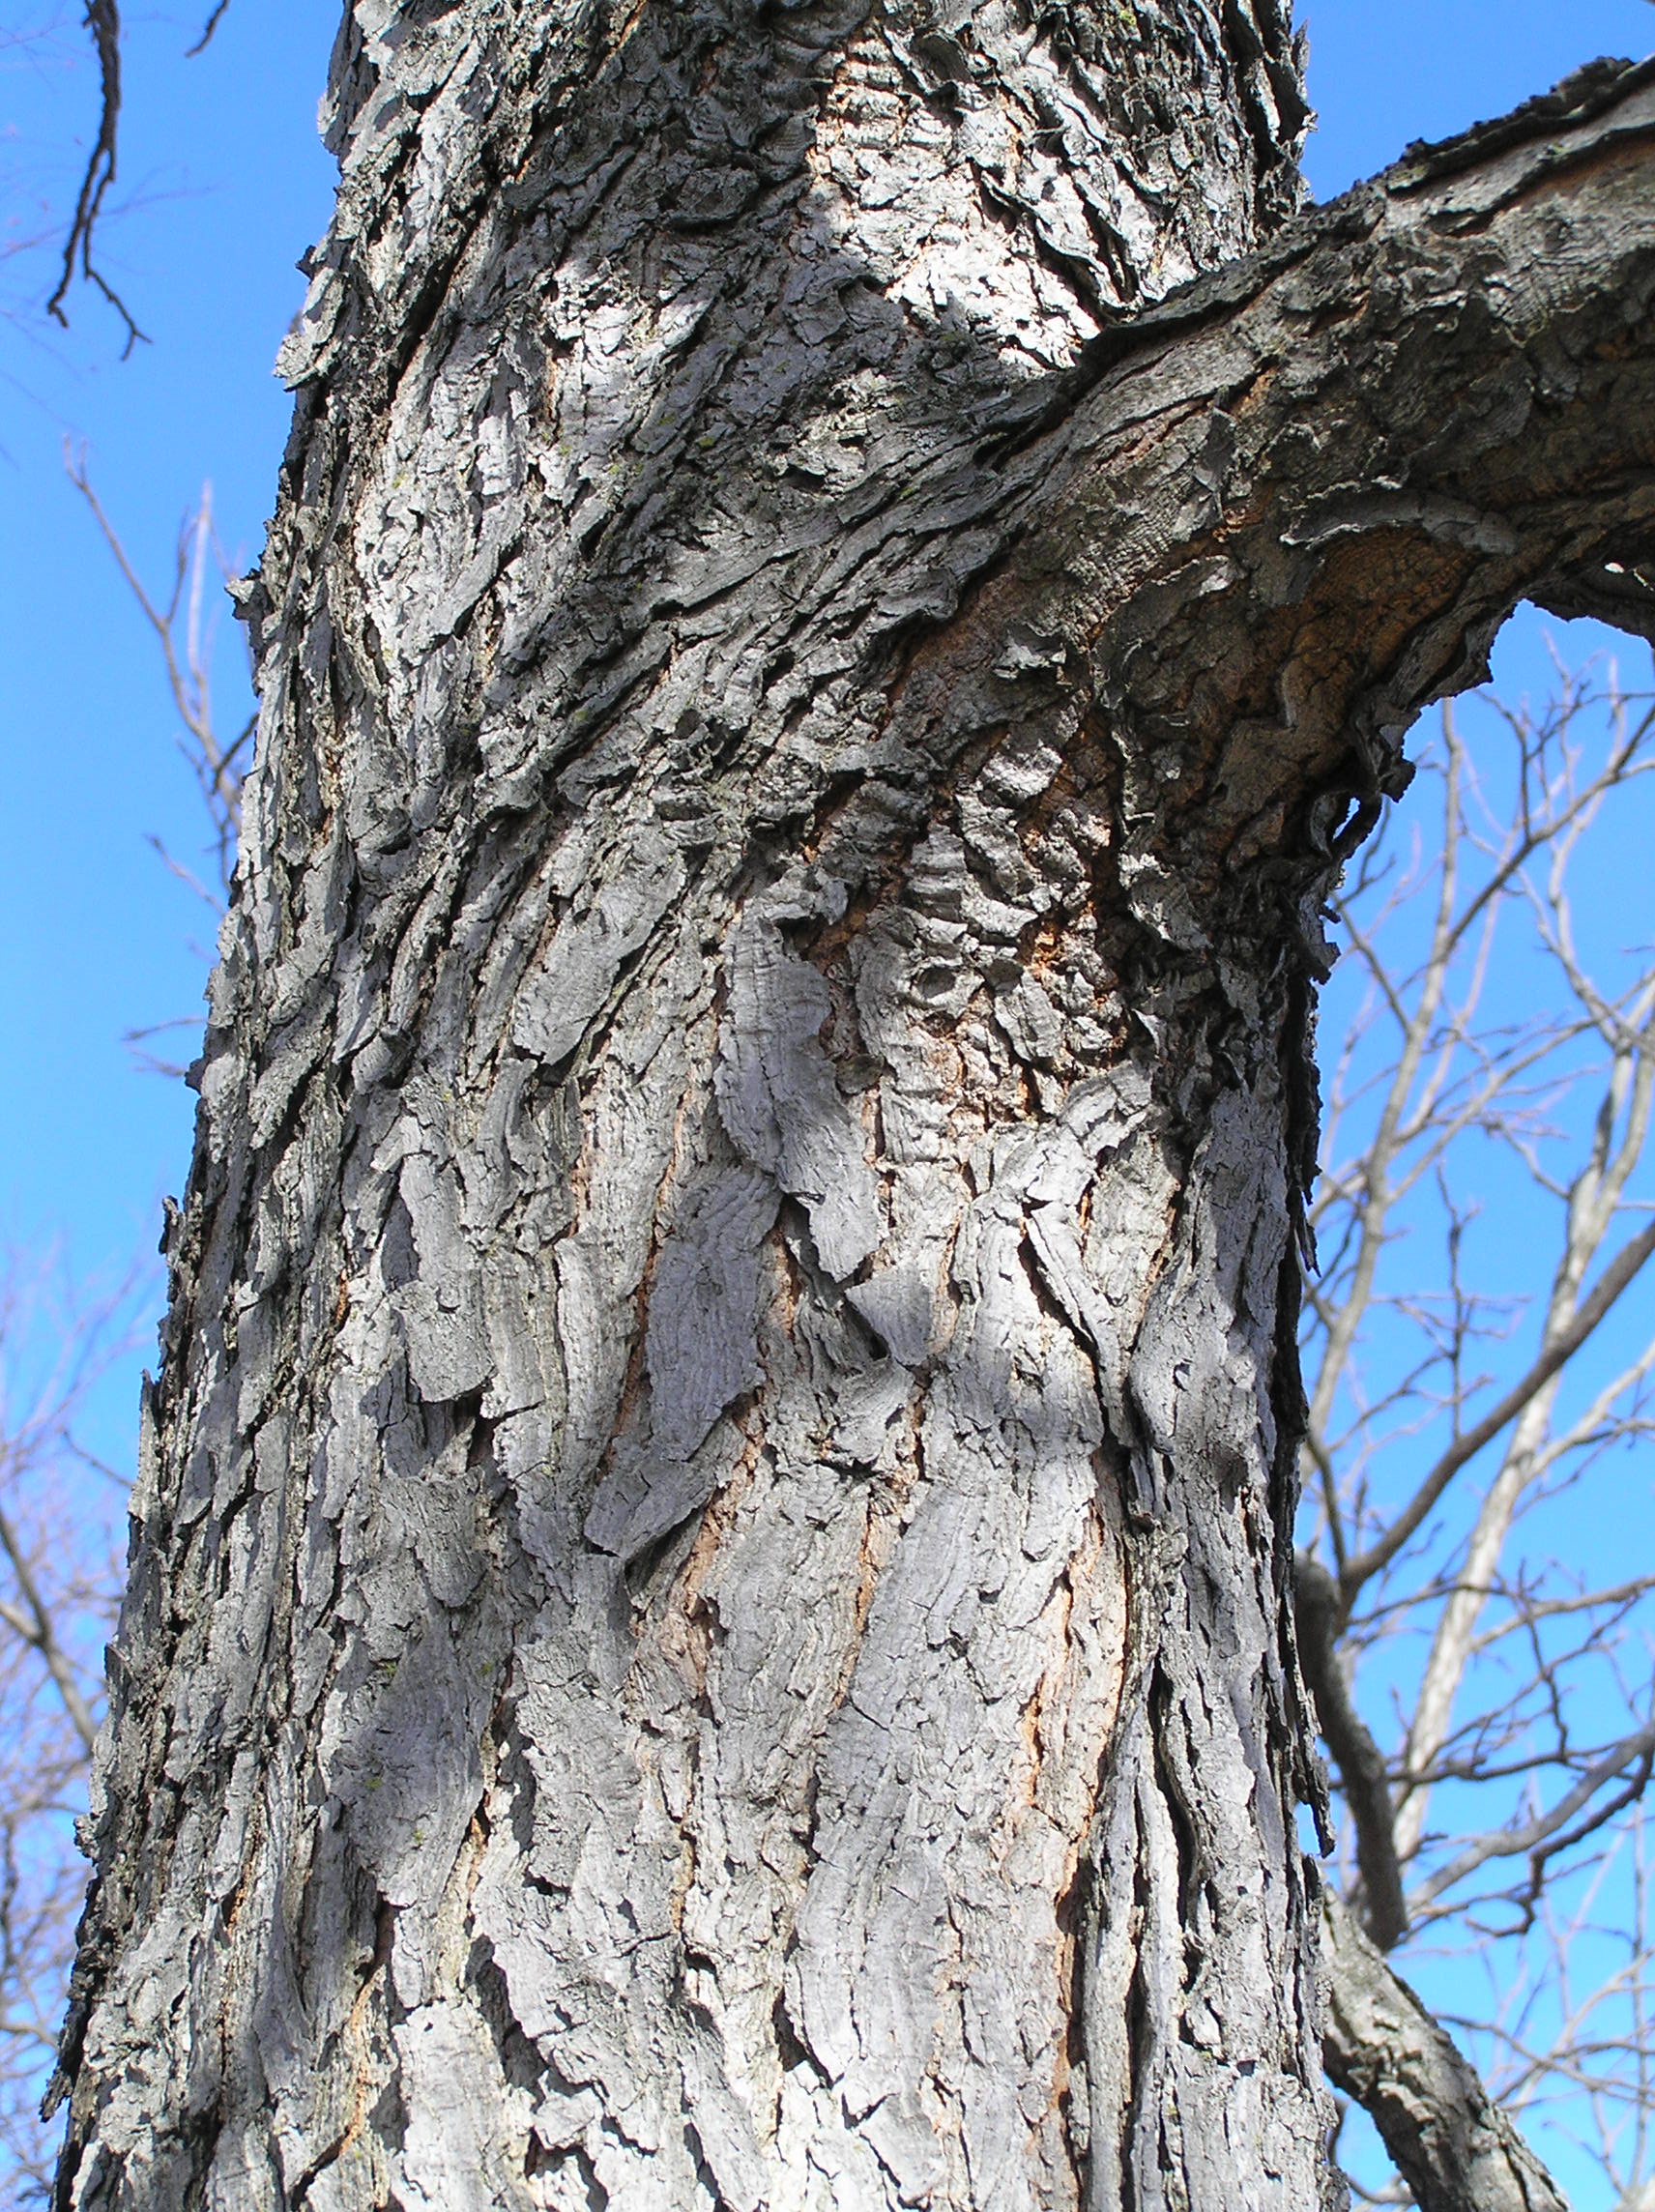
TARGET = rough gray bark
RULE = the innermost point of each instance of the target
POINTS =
(708, 1621)
(1455, 2148)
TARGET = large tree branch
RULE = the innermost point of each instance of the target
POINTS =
(1300, 498)
(1318, 1618)
(1446, 2136)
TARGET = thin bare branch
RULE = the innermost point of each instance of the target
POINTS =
(35, 1626)
(184, 633)
(213, 22)
(1524, 1840)
(1621, 1270)
(103, 21)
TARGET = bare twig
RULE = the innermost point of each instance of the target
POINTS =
(185, 636)
(35, 1626)
(103, 21)
(1621, 1270)
(212, 23)
(56, 1607)
(1635, 1751)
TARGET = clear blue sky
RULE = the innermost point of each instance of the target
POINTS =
(226, 183)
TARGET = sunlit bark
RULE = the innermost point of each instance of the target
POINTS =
(709, 1622)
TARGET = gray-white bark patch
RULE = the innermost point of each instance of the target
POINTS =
(780, 1103)
(572, 982)
(442, 1307)
(463, 2121)
(700, 1353)
(701, 1347)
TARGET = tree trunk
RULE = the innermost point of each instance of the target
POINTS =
(709, 1620)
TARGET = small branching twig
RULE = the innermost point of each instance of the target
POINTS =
(58, 1582)
(103, 21)
(1522, 1749)
(185, 634)
(213, 22)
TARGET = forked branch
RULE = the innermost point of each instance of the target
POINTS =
(1622, 1270)
(183, 630)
